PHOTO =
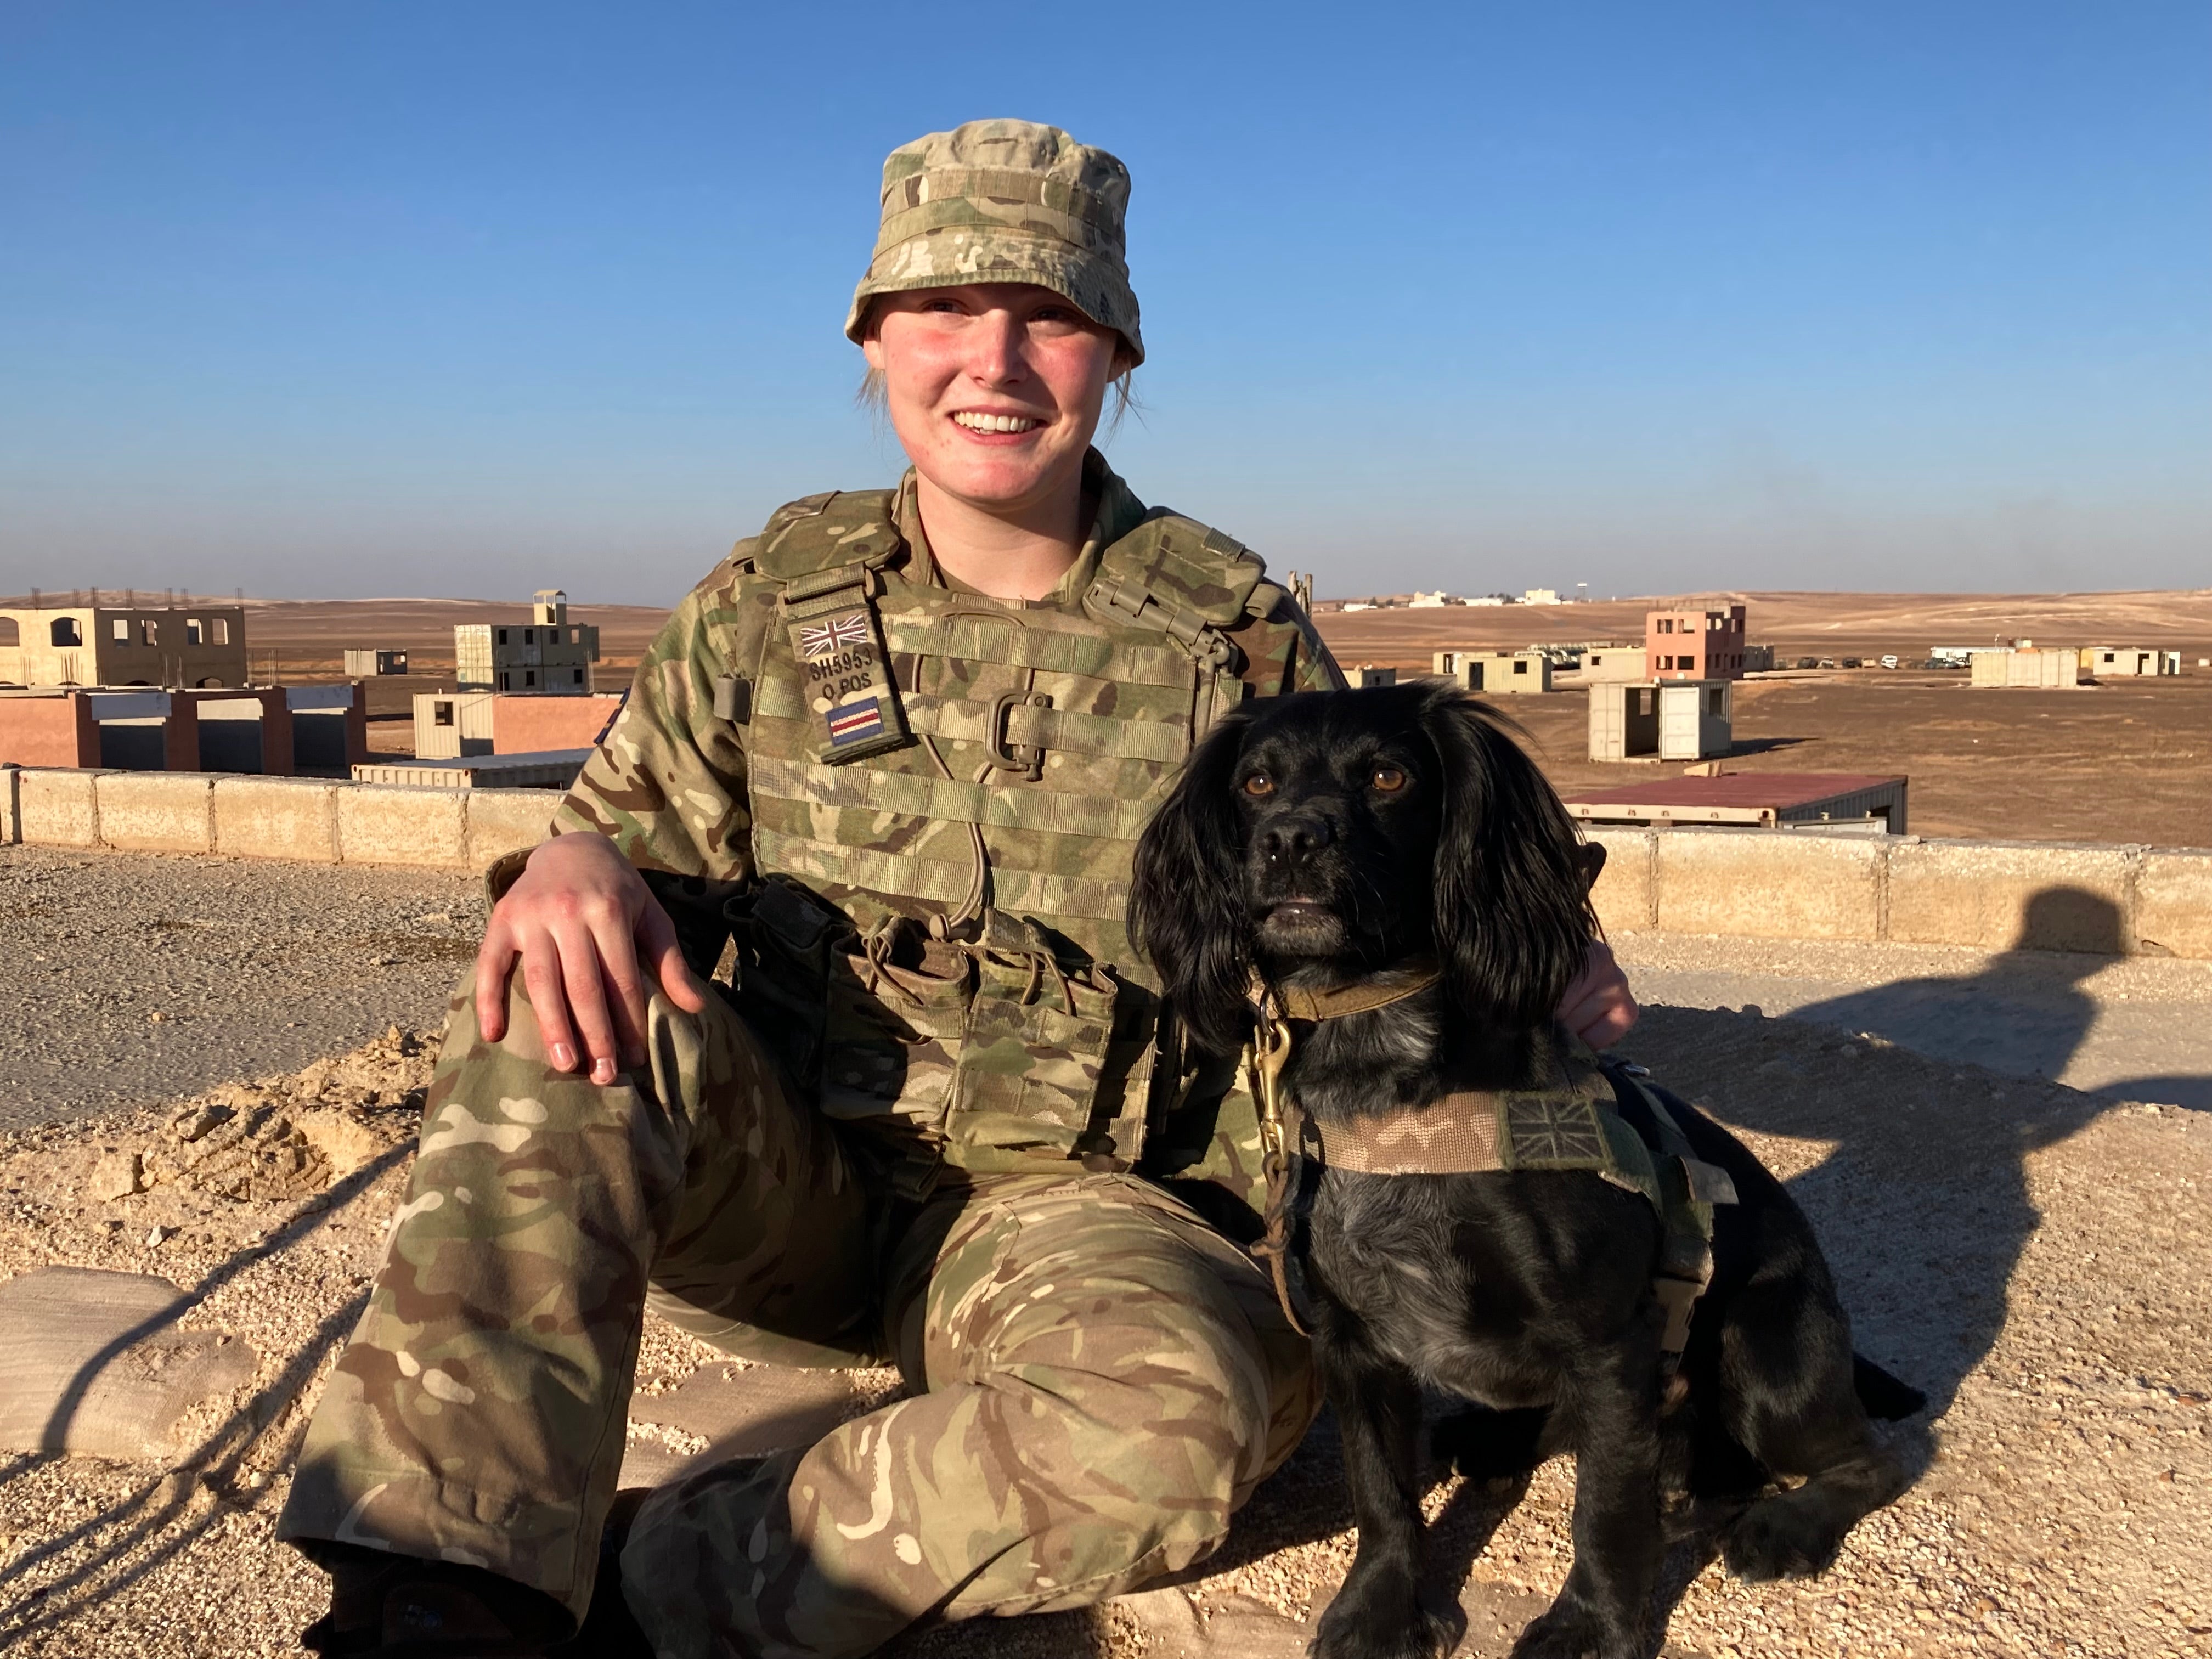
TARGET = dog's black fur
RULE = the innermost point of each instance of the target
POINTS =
(1322, 836)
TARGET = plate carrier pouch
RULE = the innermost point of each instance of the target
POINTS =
(937, 946)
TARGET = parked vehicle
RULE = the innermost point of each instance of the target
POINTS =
(1853, 662)
(1889, 662)
(1808, 662)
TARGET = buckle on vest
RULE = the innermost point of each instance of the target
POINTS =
(1025, 758)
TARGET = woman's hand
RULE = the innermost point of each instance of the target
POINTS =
(1599, 1007)
(582, 921)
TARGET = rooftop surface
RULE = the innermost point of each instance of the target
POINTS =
(1747, 789)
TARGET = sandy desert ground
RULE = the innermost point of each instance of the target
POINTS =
(2036, 1257)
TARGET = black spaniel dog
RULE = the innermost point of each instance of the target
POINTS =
(1317, 844)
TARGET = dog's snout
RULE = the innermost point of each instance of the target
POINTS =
(1291, 841)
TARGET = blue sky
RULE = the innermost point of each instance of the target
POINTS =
(347, 299)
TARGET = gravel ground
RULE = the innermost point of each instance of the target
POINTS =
(133, 980)
(2036, 1257)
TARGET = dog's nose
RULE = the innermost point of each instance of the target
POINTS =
(1291, 842)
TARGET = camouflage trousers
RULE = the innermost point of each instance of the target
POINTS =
(1096, 1379)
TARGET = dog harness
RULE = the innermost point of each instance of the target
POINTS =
(1593, 1115)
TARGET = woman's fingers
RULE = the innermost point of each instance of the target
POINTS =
(585, 987)
(656, 935)
(495, 963)
(1599, 1007)
(543, 977)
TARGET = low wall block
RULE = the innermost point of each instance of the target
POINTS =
(2003, 896)
(500, 821)
(55, 806)
(1781, 883)
(1627, 891)
(2174, 905)
(379, 823)
(11, 829)
(156, 811)
(293, 818)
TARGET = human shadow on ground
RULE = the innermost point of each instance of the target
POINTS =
(2025, 1012)
(1923, 1207)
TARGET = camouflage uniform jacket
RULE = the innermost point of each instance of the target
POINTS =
(931, 935)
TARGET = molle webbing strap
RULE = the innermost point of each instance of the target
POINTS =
(916, 795)
(939, 881)
(960, 719)
(1050, 650)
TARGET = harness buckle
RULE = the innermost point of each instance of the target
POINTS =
(1025, 758)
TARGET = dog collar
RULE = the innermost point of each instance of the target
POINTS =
(1393, 984)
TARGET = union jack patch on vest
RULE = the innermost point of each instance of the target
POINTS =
(820, 639)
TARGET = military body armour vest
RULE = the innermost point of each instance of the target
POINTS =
(939, 943)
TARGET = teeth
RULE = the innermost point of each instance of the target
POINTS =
(979, 422)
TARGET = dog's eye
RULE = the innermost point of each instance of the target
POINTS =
(1389, 779)
(1259, 784)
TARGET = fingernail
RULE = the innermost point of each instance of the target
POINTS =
(603, 1071)
(563, 1057)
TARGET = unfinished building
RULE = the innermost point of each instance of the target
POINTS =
(1495, 673)
(1683, 644)
(547, 656)
(272, 732)
(168, 648)
(1673, 720)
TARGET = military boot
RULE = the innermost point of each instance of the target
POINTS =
(395, 1607)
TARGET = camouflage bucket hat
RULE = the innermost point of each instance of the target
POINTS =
(1005, 202)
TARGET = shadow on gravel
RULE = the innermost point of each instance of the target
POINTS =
(185, 1502)
(1923, 1207)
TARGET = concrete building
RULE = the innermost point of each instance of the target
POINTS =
(168, 646)
(1672, 720)
(1603, 665)
(1785, 800)
(1695, 645)
(547, 656)
(362, 665)
(1367, 674)
(1495, 673)
(2108, 662)
(460, 726)
(1539, 596)
(2048, 669)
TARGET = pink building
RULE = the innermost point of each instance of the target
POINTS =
(1694, 645)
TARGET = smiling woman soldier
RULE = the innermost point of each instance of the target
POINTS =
(889, 759)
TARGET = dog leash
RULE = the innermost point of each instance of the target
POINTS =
(1272, 1011)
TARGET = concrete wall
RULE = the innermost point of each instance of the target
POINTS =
(1996, 896)
(312, 820)
(1756, 884)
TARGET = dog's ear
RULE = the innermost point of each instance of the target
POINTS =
(1187, 902)
(1513, 916)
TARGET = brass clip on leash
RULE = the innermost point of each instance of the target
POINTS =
(1271, 1052)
